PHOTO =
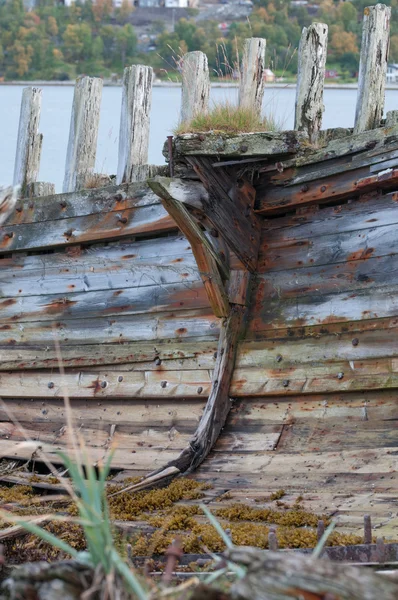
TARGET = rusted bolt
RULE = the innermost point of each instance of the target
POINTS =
(355, 342)
(123, 219)
(9, 235)
(18, 209)
(62, 204)
(278, 358)
(367, 529)
(200, 390)
(340, 375)
(214, 232)
(323, 188)
(103, 384)
(285, 383)
(68, 233)
(120, 378)
(118, 197)
(244, 148)
(305, 188)
(163, 384)
(50, 385)
(158, 362)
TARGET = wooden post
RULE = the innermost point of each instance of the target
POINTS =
(251, 88)
(195, 86)
(134, 124)
(27, 159)
(39, 188)
(83, 133)
(391, 118)
(310, 79)
(372, 67)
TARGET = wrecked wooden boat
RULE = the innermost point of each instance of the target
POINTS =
(236, 320)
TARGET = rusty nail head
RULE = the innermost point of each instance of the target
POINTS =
(63, 204)
(278, 358)
(340, 375)
(103, 384)
(158, 362)
(9, 235)
(244, 148)
(285, 383)
(18, 209)
(305, 188)
(120, 378)
(215, 355)
(123, 219)
(69, 233)
(200, 389)
(355, 342)
(367, 529)
(214, 232)
(323, 188)
(163, 384)
(50, 385)
(118, 197)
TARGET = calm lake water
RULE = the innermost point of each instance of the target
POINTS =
(56, 109)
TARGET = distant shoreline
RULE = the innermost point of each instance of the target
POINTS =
(176, 84)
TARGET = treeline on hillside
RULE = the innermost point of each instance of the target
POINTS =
(58, 42)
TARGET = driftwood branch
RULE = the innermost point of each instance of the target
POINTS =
(281, 576)
(206, 257)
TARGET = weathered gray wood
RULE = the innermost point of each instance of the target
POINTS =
(310, 79)
(372, 67)
(8, 199)
(195, 86)
(391, 118)
(83, 133)
(274, 576)
(251, 85)
(37, 189)
(134, 124)
(29, 141)
(249, 144)
(207, 259)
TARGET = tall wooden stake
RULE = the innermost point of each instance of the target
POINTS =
(251, 89)
(372, 67)
(83, 133)
(27, 158)
(310, 79)
(134, 124)
(195, 86)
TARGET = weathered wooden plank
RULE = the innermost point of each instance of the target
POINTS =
(251, 85)
(195, 86)
(207, 259)
(29, 140)
(361, 214)
(278, 200)
(83, 203)
(249, 144)
(83, 384)
(83, 133)
(134, 124)
(372, 67)
(101, 268)
(99, 226)
(116, 329)
(310, 79)
(230, 208)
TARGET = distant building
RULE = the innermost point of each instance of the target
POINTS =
(164, 3)
(392, 73)
(269, 76)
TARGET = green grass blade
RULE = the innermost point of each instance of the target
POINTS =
(320, 545)
(128, 576)
(217, 526)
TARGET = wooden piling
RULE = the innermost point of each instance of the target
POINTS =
(251, 88)
(37, 189)
(29, 142)
(372, 67)
(83, 133)
(195, 86)
(310, 79)
(134, 124)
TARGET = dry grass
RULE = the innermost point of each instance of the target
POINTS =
(228, 118)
